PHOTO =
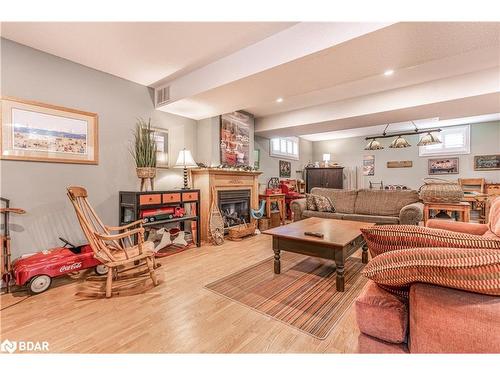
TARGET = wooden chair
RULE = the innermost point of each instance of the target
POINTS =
(472, 185)
(474, 193)
(115, 251)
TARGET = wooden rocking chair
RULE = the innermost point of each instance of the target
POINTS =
(113, 250)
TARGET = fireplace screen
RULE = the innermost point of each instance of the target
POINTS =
(234, 206)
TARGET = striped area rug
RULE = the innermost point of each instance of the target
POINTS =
(303, 296)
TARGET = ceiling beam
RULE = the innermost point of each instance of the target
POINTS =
(290, 44)
(366, 110)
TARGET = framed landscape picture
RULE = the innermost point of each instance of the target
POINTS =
(235, 138)
(285, 169)
(487, 162)
(443, 166)
(33, 131)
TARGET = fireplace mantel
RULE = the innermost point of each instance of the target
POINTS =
(207, 179)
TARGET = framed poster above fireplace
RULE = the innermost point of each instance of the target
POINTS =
(235, 138)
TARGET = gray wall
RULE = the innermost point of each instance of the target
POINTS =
(485, 139)
(270, 165)
(40, 187)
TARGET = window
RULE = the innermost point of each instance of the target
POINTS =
(455, 140)
(285, 147)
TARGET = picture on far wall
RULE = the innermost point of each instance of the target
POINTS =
(487, 162)
(369, 165)
(33, 131)
(235, 138)
(443, 166)
(285, 169)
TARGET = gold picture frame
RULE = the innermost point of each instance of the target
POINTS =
(34, 131)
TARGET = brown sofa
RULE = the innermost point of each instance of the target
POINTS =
(373, 206)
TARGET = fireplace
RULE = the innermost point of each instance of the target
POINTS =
(234, 206)
(223, 180)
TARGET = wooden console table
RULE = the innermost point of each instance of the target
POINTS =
(134, 204)
(463, 209)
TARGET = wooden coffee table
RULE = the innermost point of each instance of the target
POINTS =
(341, 239)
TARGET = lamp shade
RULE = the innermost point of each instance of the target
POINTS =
(374, 145)
(326, 157)
(429, 139)
(185, 160)
(399, 142)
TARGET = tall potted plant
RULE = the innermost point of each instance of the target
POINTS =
(144, 152)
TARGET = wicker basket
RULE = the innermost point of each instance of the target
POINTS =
(438, 190)
(242, 230)
(263, 224)
(146, 172)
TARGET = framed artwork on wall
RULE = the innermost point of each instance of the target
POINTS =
(33, 131)
(235, 138)
(369, 165)
(285, 169)
(487, 162)
(443, 166)
(162, 147)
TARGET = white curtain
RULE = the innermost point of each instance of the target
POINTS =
(351, 178)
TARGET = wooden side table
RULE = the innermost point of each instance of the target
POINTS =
(271, 198)
(463, 209)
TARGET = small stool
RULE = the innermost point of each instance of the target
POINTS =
(278, 198)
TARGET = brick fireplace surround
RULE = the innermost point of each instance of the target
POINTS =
(220, 179)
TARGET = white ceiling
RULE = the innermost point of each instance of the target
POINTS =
(142, 52)
(330, 75)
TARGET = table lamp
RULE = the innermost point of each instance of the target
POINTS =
(185, 161)
(326, 159)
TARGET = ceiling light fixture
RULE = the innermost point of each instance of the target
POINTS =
(374, 145)
(400, 142)
(428, 140)
(279, 100)
(388, 72)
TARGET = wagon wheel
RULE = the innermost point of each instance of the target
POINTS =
(101, 269)
(39, 284)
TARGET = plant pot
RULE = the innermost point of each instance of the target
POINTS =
(146, 172)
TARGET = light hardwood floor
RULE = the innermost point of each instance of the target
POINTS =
(179, 315)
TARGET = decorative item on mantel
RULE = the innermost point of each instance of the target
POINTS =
(185, 161)
(144, 153)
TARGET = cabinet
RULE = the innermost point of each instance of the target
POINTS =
(162, 207)
(331, 177)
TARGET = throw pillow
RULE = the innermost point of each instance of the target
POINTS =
(323, 204)
(310, 203)
(474, 270)
(383, 238)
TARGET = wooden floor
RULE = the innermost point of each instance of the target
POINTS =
(179, 315)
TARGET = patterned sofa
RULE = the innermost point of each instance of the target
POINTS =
(373, 206)
(435, 319)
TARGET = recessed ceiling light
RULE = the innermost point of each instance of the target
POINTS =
(279, 100)
(389, 72)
